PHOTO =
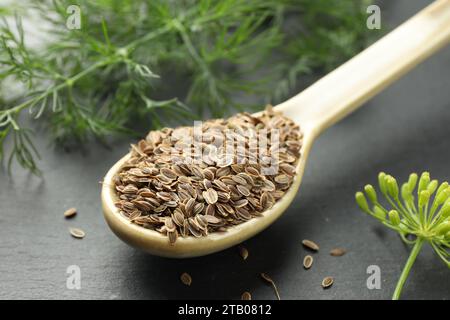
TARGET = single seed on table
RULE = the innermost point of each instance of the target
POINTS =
(69, 213)
(77, 233)
(243, 252)
(308, 261)
(338, 252)
(186, 278)
(271, 282)
(327, 282)
(310, 245)
(246, 296)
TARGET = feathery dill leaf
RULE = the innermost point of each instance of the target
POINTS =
(121, 66)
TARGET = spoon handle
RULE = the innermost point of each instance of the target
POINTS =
(346, 88)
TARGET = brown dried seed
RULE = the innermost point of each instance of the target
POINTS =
(147, 194)
(310, 245)
(186, 278)
(190, 204)
(243, 190)
(220, 185)
(268, 186)
(212, 220)
(197, 172)
(248, 178)
(210, 210)
(172, 237)
(128, 206)
(69, 213)
(77, 233)
(240, 203)
(252, 171)
(308, 261)
(165, 196)
(228, 181)
(178, 217)
(208, 174)
(154, 202)
(271, 282)
(184, 179)
(130, 189)
(201, 222)
(239, 180)
(243, 213)
(327, 282)
(243, 252)
(210, 196)
(287, 168)
(142, 205)
(170, 226)
(338, 252)
(246, 296)
(207, 184)
(223, 196)
(194, 231)
(159, 209)
(221, 172)
(171, 204)
(134, 215)
(194, 224)
(168, 173)
(198, 208)
(282, 179)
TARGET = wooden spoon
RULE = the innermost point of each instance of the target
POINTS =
(315, 109)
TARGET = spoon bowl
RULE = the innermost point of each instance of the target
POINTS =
(155, 243)
(315, 109)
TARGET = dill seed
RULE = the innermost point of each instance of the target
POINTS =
(77, 233)
(69, 213)
(246, 296)
(308, 261)
(243, 252)
(186, 278)
(310, 245)
(272, 283)
(338, 252)
(327, 282)
(158, 189)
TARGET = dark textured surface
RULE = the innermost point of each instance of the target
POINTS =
(404, 129)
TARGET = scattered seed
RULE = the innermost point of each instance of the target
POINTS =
(69, 213)
(186, 278)
(310, 245)
(246, 296)
(338, 252)
(327, 282)
(308, 261)
(243, 252)
(271, 282)
(77, 233)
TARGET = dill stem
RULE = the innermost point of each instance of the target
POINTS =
(409, 263)
(66, 83)
(148, 36)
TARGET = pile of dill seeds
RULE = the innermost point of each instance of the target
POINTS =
(159, 188)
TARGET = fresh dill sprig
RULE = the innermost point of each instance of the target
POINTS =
(427, 219)
(117, 72)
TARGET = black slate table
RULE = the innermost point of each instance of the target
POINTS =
(404, 129)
